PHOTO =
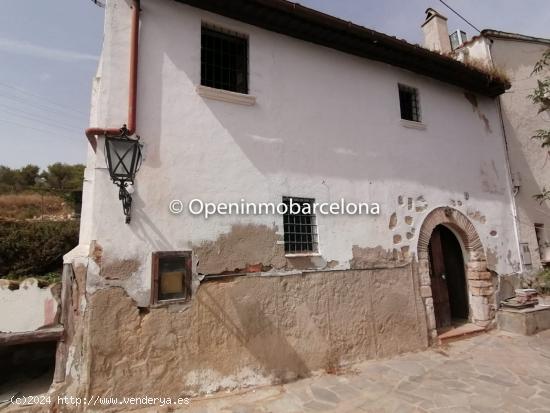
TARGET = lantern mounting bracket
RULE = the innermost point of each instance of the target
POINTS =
(123, 155)
(126, 199)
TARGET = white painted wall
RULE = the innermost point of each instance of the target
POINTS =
(27, 308)
(479, 49)
(326, 125)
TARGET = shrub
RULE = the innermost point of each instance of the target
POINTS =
(543, 282)
(35, 248)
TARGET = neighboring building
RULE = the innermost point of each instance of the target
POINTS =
(264, 100)
(517, 54)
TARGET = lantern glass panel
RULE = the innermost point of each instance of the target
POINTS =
(122, 157)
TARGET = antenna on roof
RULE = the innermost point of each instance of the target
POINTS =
(100, 3)
(459, 15)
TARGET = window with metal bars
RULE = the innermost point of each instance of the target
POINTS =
(300, 229)
(409, 103)
(224, 60)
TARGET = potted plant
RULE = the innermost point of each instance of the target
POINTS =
(543, 287)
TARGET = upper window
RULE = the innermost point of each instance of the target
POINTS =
(300, 228)
(171, 276)
(409, 103)
(224, 60)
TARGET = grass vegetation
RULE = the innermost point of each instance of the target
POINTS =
(493, 72)
(33, 205)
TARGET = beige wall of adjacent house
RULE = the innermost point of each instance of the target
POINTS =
(529, 162)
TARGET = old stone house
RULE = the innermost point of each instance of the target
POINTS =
(268, 101)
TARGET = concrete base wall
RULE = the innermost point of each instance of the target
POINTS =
(527, 322)
(247, 331)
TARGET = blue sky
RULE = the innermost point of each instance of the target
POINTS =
(49, 52)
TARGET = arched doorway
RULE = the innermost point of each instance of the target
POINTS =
(478, 279)
(448, 279)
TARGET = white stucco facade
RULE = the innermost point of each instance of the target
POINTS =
(325, 125)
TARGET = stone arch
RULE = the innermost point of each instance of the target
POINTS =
(478, 278)
(455, 220)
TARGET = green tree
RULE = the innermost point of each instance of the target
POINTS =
(8, 179)
(28, 175)
(541, 98)
(64, 177)
(14, 180)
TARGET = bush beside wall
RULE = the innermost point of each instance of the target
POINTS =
(34, 248)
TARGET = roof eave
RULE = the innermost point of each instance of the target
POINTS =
(306, 24)
(513, 36)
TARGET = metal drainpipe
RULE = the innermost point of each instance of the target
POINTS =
(94, 132)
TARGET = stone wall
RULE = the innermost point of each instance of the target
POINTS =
(246, 331)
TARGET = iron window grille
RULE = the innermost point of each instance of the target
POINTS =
(300, 229)
(409, 103)
(224, 59)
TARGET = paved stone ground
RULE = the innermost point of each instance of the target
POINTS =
(493, 372)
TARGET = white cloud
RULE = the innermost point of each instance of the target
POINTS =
(29, 49)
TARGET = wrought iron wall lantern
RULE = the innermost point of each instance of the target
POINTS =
(123, 155)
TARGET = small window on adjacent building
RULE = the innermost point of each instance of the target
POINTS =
(541, 240)
(171, 276)
(301, 228)
(526, 255)
(409, 103)
(224, 59)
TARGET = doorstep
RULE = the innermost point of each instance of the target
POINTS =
(461, 331)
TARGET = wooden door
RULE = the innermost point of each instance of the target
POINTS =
(440, 292)
(455, 274)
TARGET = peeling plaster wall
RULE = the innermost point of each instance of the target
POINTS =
(248, 331)
(326, 125)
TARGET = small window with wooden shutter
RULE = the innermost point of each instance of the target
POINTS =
(172, 273)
